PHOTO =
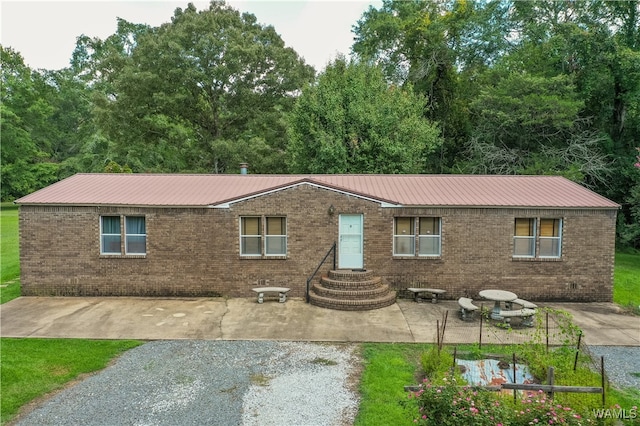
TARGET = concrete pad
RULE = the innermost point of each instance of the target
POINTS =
(604, 324)
(294, 320)
(423, 319)
(298, 321)
(112, 318)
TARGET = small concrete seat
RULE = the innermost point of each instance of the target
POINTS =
(467, 308)
(435, 292)
(524, 313)
(282, 293)
(525, 304)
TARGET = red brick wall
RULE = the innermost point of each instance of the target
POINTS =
(195, 252)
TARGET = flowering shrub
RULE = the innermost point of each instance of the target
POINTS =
(536, 408)
(449, 404)
(453, 405)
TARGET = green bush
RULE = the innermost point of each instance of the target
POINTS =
(435, 363)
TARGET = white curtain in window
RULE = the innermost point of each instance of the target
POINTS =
(136, 235)
(110, 235)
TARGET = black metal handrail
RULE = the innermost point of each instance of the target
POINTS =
(332, 249)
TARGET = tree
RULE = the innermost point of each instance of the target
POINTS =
(439, 48)
(24, 120)
(352, 121)
(525, 111)
(598, 45)
(202, 93)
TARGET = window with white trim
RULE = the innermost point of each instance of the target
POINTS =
(524, 237)
(429, 236)
(550, 238)
(263, 236)
(546, 232)
(111, 235)
(135, 236)
(275, 241)
(404, 240)
(417, 235)
(250, 236)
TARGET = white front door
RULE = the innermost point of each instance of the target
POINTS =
(350, 247)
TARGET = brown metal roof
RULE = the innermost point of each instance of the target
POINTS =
(183, 190)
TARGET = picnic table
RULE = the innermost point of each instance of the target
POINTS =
(498, 296)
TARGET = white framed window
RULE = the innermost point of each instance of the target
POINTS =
(545, 233)
(263, 236)
(550, 238)
(419, 236)
(275, 240)
(135, 235)
(524, 237)
(250, 236)
(112, 234)
(404, 240)
(429, 240)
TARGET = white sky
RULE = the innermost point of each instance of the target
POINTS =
(44, 32)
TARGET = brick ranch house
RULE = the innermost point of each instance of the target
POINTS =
(543, 237)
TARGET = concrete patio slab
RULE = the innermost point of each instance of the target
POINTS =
(298, 321)
(295, 320)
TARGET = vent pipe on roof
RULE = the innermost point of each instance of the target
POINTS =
(243, 168)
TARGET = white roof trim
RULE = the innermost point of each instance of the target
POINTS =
(328, 188)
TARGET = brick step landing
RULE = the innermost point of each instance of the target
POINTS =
(350, 293)
(334, 284)
(353, 305)
(351, 290)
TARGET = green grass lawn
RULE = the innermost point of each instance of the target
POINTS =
(9, 254)
(626, 281)
(34, 367)
(387, 369)
(390, 367)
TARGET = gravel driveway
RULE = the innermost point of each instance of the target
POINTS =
(213, 383)
(195, 382)
(621, 363)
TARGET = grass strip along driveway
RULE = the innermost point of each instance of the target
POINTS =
(34, 367)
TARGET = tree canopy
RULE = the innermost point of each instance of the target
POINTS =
(203, 93)
(25, 126)
(352, 121)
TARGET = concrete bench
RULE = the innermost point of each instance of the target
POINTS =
(435, 292)
(282, 293)
(524, 313)
(521, 302)
(467, 308)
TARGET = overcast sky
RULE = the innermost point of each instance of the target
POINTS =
(44, 32)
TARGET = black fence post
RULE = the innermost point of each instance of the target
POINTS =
(575, 362)
(547, 329)
(514, 377)
(481, 318)
(603, 379)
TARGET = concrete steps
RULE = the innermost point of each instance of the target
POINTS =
(351, 290)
